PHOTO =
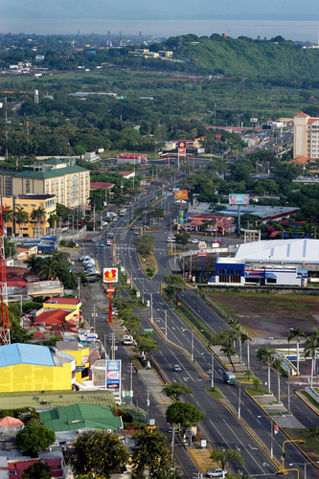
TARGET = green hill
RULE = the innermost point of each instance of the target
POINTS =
(245, 57)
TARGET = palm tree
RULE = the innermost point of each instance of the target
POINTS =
(38, 215)
(296, 334)
(245, 338)
(7, 215)
(49, 268)
(52, 220)
(33, 263)
(311, 347)
(265, 355)
(277, 366)
(21, 217)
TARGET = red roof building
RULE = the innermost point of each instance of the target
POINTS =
(103, 185)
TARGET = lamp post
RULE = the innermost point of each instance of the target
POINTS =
(283, 470)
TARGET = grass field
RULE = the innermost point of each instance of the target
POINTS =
(40, 400)
(269, 315)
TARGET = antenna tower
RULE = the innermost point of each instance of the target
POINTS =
(4, 311)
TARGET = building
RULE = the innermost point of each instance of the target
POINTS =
(101, 185)
(277, 262)
(28, 367)
(265, 213)
(29, 203)
(131, 158)
(81, 355)
(306, 137)
(69, 304)
(68, 182)
(69, 421)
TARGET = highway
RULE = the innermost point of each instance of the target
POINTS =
(220, 426)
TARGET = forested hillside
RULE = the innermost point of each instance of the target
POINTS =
(245, 56)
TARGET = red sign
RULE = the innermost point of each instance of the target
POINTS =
(110, 290)
(201, 253)
(276, 429)
(110, 275)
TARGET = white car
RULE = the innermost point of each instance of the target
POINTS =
(216, 473)
(194, 240)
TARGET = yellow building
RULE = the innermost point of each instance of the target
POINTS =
(29, 203)
(306, 137)
(68, 182)
(68, 304)
(29, 367)
(81, 356)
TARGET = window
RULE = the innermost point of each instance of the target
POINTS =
(221, 271)
(8, 186)
(27, 186)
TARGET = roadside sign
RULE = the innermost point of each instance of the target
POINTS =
(110, 290)
(202, 245)
(110, 275)
(149, 331)
(127, 393)
(201, 253)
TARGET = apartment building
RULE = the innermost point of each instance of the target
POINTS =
(68, 182)
(306, 137)
(29, 203)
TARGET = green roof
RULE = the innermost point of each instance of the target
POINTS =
(47, 173)
(53, 161)
(80, 416)
(53, 399)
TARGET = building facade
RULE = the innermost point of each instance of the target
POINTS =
(68, 182)
(29, 203)
(306, 137)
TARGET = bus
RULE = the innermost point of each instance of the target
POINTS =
(229, 377)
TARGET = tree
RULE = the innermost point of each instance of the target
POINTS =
(146, 344)
(175, 285)
(98, 453)
(150, 452)
(38, 215)
(277, 366)
(226, 340)
(33, 263)
(7, 215)
(175, 390)
(296, 334)
(224, 456)
(183, 413)
(311, 347)
(182, 238)
(39, 470)
(145, 245)
(33, 438)
(265, 355)
(21, 217)
(52, 220)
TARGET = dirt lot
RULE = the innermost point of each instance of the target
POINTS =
(269, 315)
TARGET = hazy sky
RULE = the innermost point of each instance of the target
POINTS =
(164, 17)
(161, 9)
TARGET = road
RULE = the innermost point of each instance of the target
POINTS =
(220, 426)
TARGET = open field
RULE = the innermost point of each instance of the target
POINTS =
(269, 315)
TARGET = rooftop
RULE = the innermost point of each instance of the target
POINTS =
(79, 416)
(288, 251)
(45, 172)
(74, 301)
(55, 399)
(264, 212)
(19, 353)
(101, 185)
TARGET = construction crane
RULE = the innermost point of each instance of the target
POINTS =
(4, 310)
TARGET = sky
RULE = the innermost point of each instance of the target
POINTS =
(62, 16)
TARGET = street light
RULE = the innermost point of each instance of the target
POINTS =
(283, 470)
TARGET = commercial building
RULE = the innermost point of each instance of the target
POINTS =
(29, 203)
(68, 182)
(277, 262)
(28, 367)
(306, 137)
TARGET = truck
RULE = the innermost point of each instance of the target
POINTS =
(123, 212)
(127, 340)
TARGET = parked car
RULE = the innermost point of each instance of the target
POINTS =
(177, 368)
(216, 473)
(101, 244)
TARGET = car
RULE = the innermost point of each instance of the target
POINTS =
(88, 240)
(177, 368)
(109, 242)
(101, 244)
(194, 240)
(216, 473)
(136, 233)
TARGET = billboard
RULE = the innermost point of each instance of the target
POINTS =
(238, 199)
(113, 375)
(181, 217)
(110, 275)
(180, 195)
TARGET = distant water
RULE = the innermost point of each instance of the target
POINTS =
(290, 30)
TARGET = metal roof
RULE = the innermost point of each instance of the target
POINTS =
(45, 173)
(80, 416)
(19, 353)
(286, 251)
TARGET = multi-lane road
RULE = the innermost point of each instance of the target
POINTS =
(220, 425)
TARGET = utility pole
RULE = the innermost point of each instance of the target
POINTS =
(288, 395)
(239, 400)
(6, 127)
(151, 294)
(131, 383)
(165, 313)
(192, 346)
(148, 403)
(212, 375)
(94, 317)
(271, 440)
(248, 355)
(113, 346)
